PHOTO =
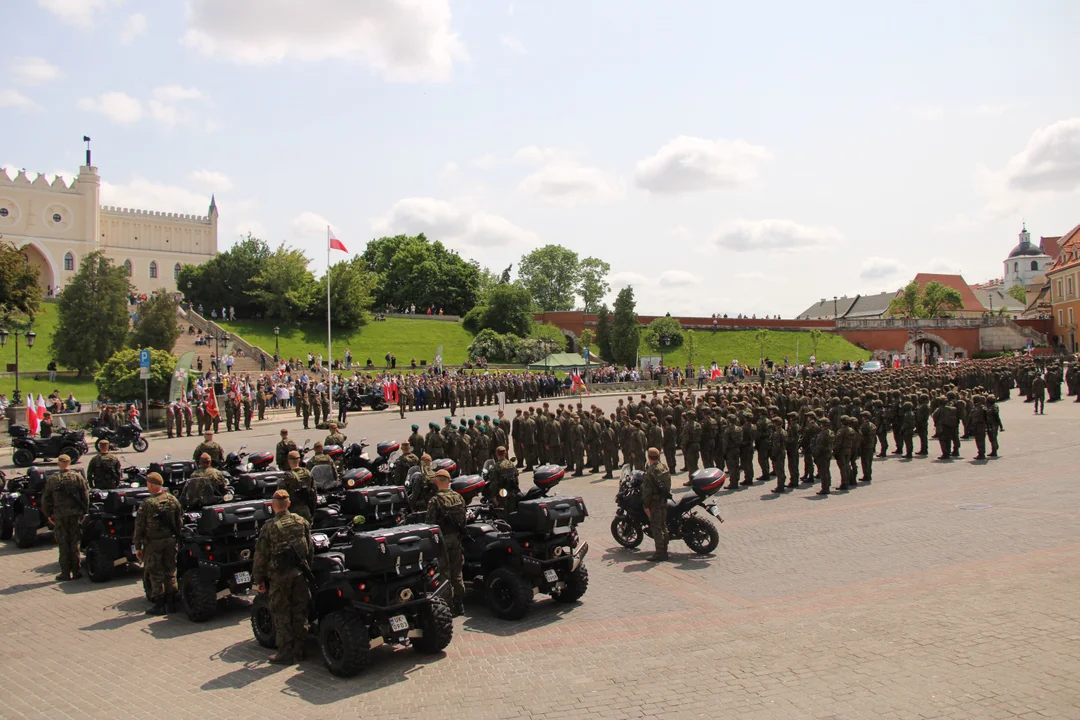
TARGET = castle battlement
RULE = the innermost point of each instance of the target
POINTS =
(21, 179)
(155, 215)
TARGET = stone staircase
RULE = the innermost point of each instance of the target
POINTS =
(248, 363)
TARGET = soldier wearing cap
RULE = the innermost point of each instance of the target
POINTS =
(283, 540)
(504, 477)
(300, 485)
(65, 500)
(211, 448)
(655, 491)
(281, 452)
(206, 486)
(407, 460)
(157, 527)
(447, 510)
(103, 471)
(334, 438)
(778, 452)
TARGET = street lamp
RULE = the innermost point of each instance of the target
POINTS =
(16, 396)
(835, 313)
(277, 330)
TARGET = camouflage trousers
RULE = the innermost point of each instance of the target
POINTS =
(289, 598)
(159, 566)
(450, 564)
(66, 532)
(658, 525)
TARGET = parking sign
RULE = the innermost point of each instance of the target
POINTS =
(144, 358)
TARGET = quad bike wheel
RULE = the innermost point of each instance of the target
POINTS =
(437, 622)
(262, 621)
(626, 532)
(6, 528)
(508, 596)
(576, 585)
(344, 642)
(25, 535)
(199, 598)
(99, 566)
(72, 452)
(22, 458)
(700, 535)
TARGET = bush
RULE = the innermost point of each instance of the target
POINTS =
(488, 344)
(119, 380)
(473, 320)
(510, 348)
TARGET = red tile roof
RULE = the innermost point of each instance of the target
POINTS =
(1051, 246)
(1069, 248)
(956, 282)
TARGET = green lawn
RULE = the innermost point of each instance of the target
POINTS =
(407, 339)
(84, 388)
(725, 345)
(37, 357)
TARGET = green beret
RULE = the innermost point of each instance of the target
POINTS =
(415, 427)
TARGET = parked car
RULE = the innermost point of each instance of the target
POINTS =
(871, 366)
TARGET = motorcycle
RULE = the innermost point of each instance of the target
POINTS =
(631, 524)
(353, 456)
(355, 401)
(27, 449)
(127, 435)
(239, 463)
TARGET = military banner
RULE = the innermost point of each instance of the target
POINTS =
(178, 384)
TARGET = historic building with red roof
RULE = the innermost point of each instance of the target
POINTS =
(1063, 281)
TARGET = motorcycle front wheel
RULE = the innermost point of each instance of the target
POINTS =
(626, 532)
(140, 444)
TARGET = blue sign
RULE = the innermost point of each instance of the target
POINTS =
(144, 358)
(586, 354)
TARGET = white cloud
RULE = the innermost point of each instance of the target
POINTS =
(878, 268)
(679, 278)
(1051, 160)
(134, 26)
(572, 184)
(454, 223)
(449, 169)
(403, 40)
(513, 44)
(33, 71)
(940, 264)
(690, 164)
(77, 12)
(148, 195)
(15, 99)
(669, 291)
(117, 106)
(309, 224)
(775, 235)
(751, 275)
(486, 162)
(212, 180)
(176, 93)
(535, 155)
(928, 113)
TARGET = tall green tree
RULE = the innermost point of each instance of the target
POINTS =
(761, 336)
(284, 286)
(691, 346)
(20, 295)
(351, 287)
(508, 310)
(603, 332)
(552, 275)
(92, 314)
(816, 336)
(488, 281)
(156, 326)
(412, 270)
(937, 300)
(906, 302)
(587, 338)
(227, 279)
(593, 284)
(1017, 292)
(118, 379)
(625, 330)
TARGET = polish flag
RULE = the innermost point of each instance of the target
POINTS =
(716, 373)
(211, 402)
(31, 414)
(40, 407)
(336, 244)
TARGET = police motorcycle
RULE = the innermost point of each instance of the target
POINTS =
(630, 524)
(534, 549)
(21, 515)
(125, 436)
(369, 588)
(25, 449)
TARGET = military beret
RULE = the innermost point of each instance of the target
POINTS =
(487, 418)
(154, 479)
(479, 417)
(793, 414)
(63, 458)
(415, 427)
(443, 474)
(448, 419)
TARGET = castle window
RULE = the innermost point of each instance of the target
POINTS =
(1016, 267)
(153, 269)
(1034, 265)
(4, 212)
(127, 266)
(69, 262)
(176, 272)
(56, 218)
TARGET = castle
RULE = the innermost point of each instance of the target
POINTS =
(56, 225)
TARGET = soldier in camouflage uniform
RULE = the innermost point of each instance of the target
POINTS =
(283, 541)
(424, 488)
(334, 438)
(405, 461)
(447, 510)
(300, 485)
(435, 443)
(504, 477)
(822, 452)
(157, 527)
(868, 431)
(321, 458)
(655, 491)
(843, 445)
(778, 452)
(103, 470)
(324, 405)
(211, 448)
(417, 440)
(206, 486)
(64, 502)
(247, 409)
(284, 447)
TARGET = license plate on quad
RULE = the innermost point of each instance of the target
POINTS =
(551, 576)
(398, 623)
(242, 578)
(714, 511)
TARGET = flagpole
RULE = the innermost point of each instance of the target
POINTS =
(329, 350)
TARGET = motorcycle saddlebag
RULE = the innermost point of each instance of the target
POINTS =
(386, 447)
(124, 501)
(468, 486)
(261, 458)
(548, 476)
(327, 517)
(375, 503)
(334, 451)
(707, 481)
(258, 485)
(547, 513)
(174, 471)
(246, 517)
(444, 464)
(378, 551)
(357, 477)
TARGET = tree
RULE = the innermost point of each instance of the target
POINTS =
(350, 295)
(593, 285)
(691, 346)
(603, 332)
(938, 299)
(157, 325)
(19, 291)
(625, 330)
(663, 334)
(587, 338)
(549, 333)
(906, 302)
(509, 310)
(473, 319)
(487, 281)
(815, 340)
(96, 298)
(552, 275)
(1017, 292)
(284, 286)
(411, 270)
(226, 280)
(761, 335)
(119, 379)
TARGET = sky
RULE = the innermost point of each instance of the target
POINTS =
(722, 157)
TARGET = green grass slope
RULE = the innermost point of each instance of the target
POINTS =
(407, 339)
(37, 357)
(723, 346)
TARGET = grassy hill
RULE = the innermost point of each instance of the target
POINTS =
(725, 345)
(37, 357)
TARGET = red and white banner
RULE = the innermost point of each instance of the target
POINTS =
(211, 402)
(31, 414)
(40, 407)
(336, 244)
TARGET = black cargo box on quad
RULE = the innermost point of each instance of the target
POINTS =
(545, 514)
(235, 518)
(258, 485)
(378, 551)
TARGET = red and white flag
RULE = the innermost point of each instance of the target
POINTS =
(576, 383)
(211, 402)
(40, 407)
(31, 414)
(336, 244)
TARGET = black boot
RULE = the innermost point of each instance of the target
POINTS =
(170, 603)
(158, 608)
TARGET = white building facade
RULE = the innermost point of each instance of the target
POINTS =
(1027, 264)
